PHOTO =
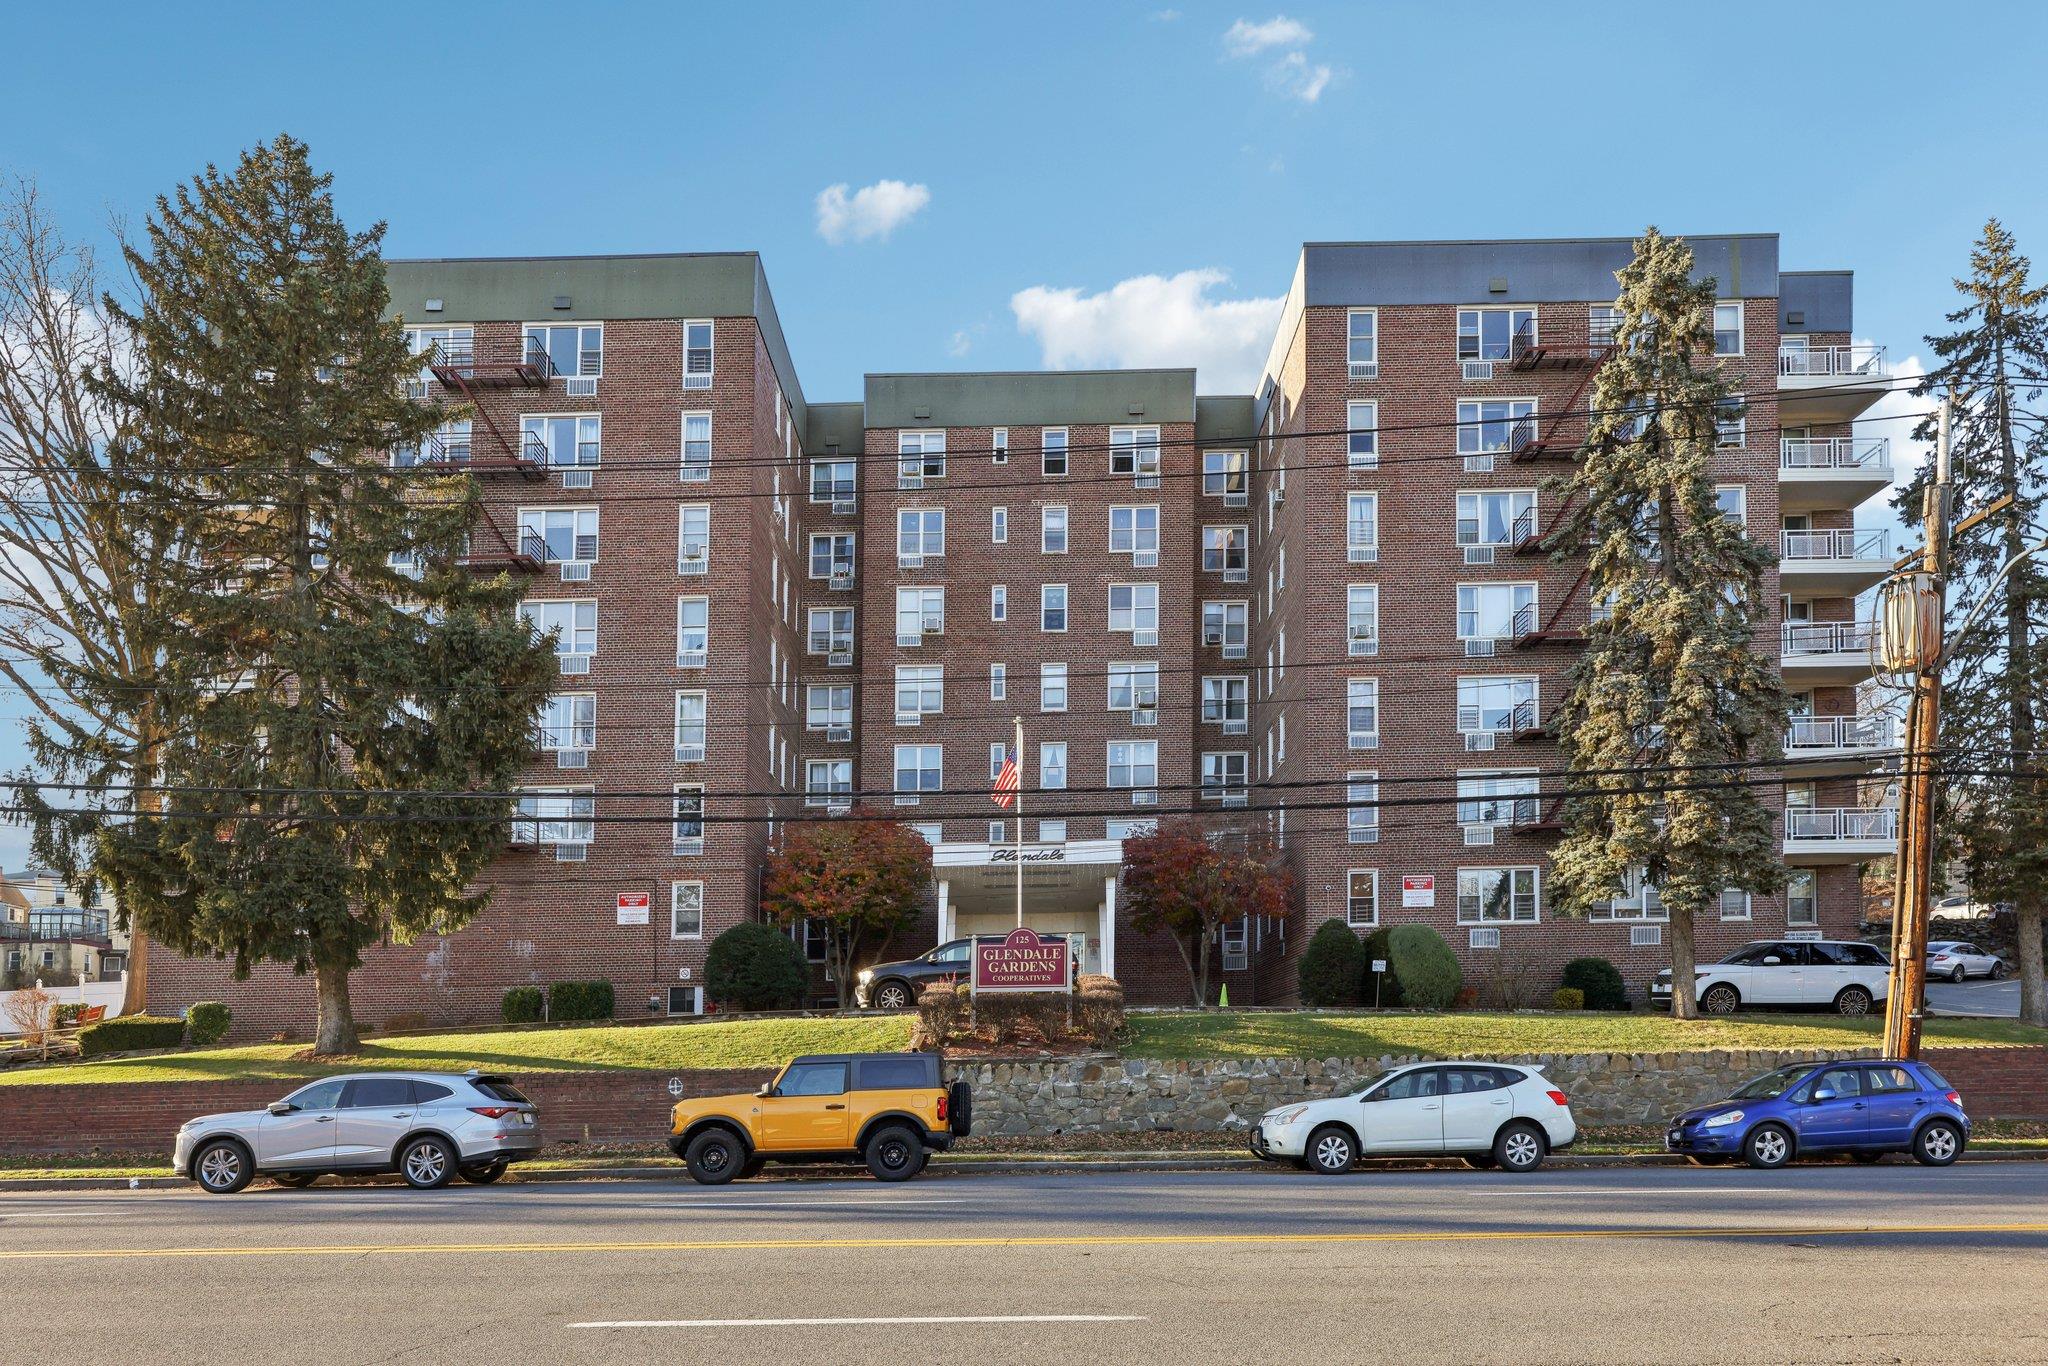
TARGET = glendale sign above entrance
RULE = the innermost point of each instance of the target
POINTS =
(1022, 961)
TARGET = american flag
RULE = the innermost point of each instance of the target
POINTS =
(1007, 781)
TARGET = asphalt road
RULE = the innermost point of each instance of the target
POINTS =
(1979, 996)
(1827, 1262)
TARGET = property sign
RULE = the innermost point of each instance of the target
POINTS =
(1022, 961)
(1379, 965)
(1418, 890)
(633, 907)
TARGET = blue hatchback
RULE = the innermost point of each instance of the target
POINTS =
(1863, 1108)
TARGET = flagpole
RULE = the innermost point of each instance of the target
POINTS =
(1018, 751)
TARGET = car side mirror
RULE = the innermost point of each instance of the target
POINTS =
(1822, 1093)
(767, 1090)
(1773, 958)
(282, 1107)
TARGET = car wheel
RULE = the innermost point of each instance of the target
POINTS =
(427, 1163)
(296, 1181)
(1956, 975)
(1866, 1158)
(1998, 970)
(1938, 1143)
(485, 1174)
(895, 1154)
(892, 996)
(1519, 1148)
(1331, 1150)
(1720, 1000)
(714, 1157)
(223, 1167)
(1481, 1161)
(1768, 1146)
(1852, 1001)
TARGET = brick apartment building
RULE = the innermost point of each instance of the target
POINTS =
(768, 607)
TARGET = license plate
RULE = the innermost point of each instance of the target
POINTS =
(526, 1119)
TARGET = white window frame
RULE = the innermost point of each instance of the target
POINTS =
(920, 690)
(1236, 544)
(1052, 449)
(919, 605)
(1362, 363)
(1361, 695)
(1138, 537)
(535, 611)
(535, 519)
(1048, 515)
(998, 526)
(918, 530)
(1223, 625)
(702, 639)
(1361, 608)
(694, 378)
(1225, 776)
(1052, 765)
(1362, 533)
(835, 790)
(921, 444)
(832, 540)
(1133, 765)
(998, 602)
(701, 727)
(911, 796)
(835, 490)
(1137, 613)
(681, 819)
(577, 731)
(581, 422)
(1362, 434)
(555, 815)
(1478, 916)
(1725, 307)
(999, 446)
(1127, 683)
(679, 891)
(836, 641)
(1137, 448)
(998, 682)
(1361, 806)
(1053, 673)
(1351, 877)
(1516, 314)
(1472, 509)
(1482, 593)
(1046, 592)
(830, 716)
(1226, 475)
(683, 517)
(1490, 796)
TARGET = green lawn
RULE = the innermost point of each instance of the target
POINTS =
(733, 1044)
(1372, 1035)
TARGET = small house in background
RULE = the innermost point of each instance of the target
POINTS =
(48, 933)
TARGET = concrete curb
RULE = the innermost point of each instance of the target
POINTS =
(1063, 1164)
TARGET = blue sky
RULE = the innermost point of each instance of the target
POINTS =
(1066, 183)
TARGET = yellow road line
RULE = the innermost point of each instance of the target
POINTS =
(1053, 1240)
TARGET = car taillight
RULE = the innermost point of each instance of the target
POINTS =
(943, 1098)
(1558, 1097)
(491, 1111)
(1954, 1099)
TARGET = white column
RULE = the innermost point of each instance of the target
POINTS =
(1109, 926)
(945, 910)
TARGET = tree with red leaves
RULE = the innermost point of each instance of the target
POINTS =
(858, 878)
(1190, 884)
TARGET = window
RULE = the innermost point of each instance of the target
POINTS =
(697, 348)
(1487, 427)
(568, 721)
(998, 682)
(1134, 607)
(999, 446)
(1362, 618)
(1733, 500)
(1362, 421)
(832, 554)
(574, 350)
(1361, 802)
(554, 816)
(1052, 448)
(1224, 550)
(1496, 798)
(691, 710)
(1052, 687)
(999, 526)
(998, 602)
(573, 624)
(1135, 530)
(1135, 451)
(1362, 527)
(1226, 702)
(917, 772)
(1731, 422)
(693, 538)
(686, 910)
(1225, 624)
(832, 481)
(1052, 765)
(1362, 713)
(1496, 704)
(1133, 687)
(1802, 899)
(1224, 776)
(569, 534)
(828, 782)
(1225, 476)
(1052, 530)
(1134, 764)
(919, 456)
(1052, 607)
(1603, 325)
(1488, 333)
(1728, 329)
(920, 612)
(831, 631)
(447, 444)
(568, 440)
(688, 832)
(920, 535)
(696, 467)
(920, 691)
(1362, 343)
(377, 1093)
(1497, 896)
(828, 706)
(1496, 516)
(1052, 832)
(450, 346)
(324, 1095)
(693, 632)
(1734, 904)
(998, 752)
(1488, 611)
(1362, 897)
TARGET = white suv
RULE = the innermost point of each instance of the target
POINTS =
(1489, 1113)
(1845, 974)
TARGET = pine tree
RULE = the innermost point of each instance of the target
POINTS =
(1995, 679)
(328, 671)
(1670, 690)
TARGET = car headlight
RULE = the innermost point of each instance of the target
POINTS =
(865, 975)
(1286, 1116)
(1722, 1121)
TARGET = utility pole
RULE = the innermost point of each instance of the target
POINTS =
(1913, 874)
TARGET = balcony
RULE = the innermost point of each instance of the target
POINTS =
(1832, 471)
(1829, 383)
(58, 927)
(1833, 563)
(457, 366)
(1839, 834)
(1827, 652)
(1827, 746)
(528, 555)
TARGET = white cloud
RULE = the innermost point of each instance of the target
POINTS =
(1245, 38)
(869, 213)
(960, 343)
(1296, 75)
(1165, 16)
(1153, 320)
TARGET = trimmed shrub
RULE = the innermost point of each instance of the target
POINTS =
(1008, 1016)
(522, 1005)
(1099, 1007)
(129, 1034)
(1568, 998)
(941, 1016)
(1427, 969)
(207, 1023)
(1332, 966)
(1599, 981)
(756, 967)
(1388, 986)
(580, 1001)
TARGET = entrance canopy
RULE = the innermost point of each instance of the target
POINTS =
(1069, 889)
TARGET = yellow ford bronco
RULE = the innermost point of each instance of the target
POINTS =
(889, 1110)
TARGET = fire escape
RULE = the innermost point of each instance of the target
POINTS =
(1561, 437)
(491, 451)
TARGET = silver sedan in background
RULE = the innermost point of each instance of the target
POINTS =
(1953, 959)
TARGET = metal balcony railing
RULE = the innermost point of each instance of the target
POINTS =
(1828, 637)
(1869, 454)
(1846, 362)
(57, 926)
(1849, 544)
(1820, 824)
(1806, 733)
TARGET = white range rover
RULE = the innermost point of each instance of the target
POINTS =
(1846, 975)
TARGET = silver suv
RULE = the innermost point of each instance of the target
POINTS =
(426, 1126)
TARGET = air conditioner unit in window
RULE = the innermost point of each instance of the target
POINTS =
(908, 639)
(842, 507)
(696, 381)
(1236, 575)
(904, 561)
(1144, 639)
(1236, 960)
(839, 659)
(1236, 726)
(1478, 464)
(575, 571)
(1363, 554)
(578, 479)
(1478, 834)
(1475, 369)
(1476, 740)
(1365, 834)
(1144, 797)
(909, 718)
(934, 624)
(1213, 636)
(572, 853)
(838, 735)
(1364, 645)
(1234, 652)
(581, 387)
(841, 808)
(694, 560)
(689, 754)
(841, 580)
(572, 758)
(1237, 500)
(1233, 799)
(1367, 370)
(1478, 554)
(1144, 559)
(696, 473)
(1144, 716)
(1364, 739)
(909, 481)
(574, 664)
(1484, 939)
(1479, 647)
(687, 848)
(690, 659)
(1645, 936)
